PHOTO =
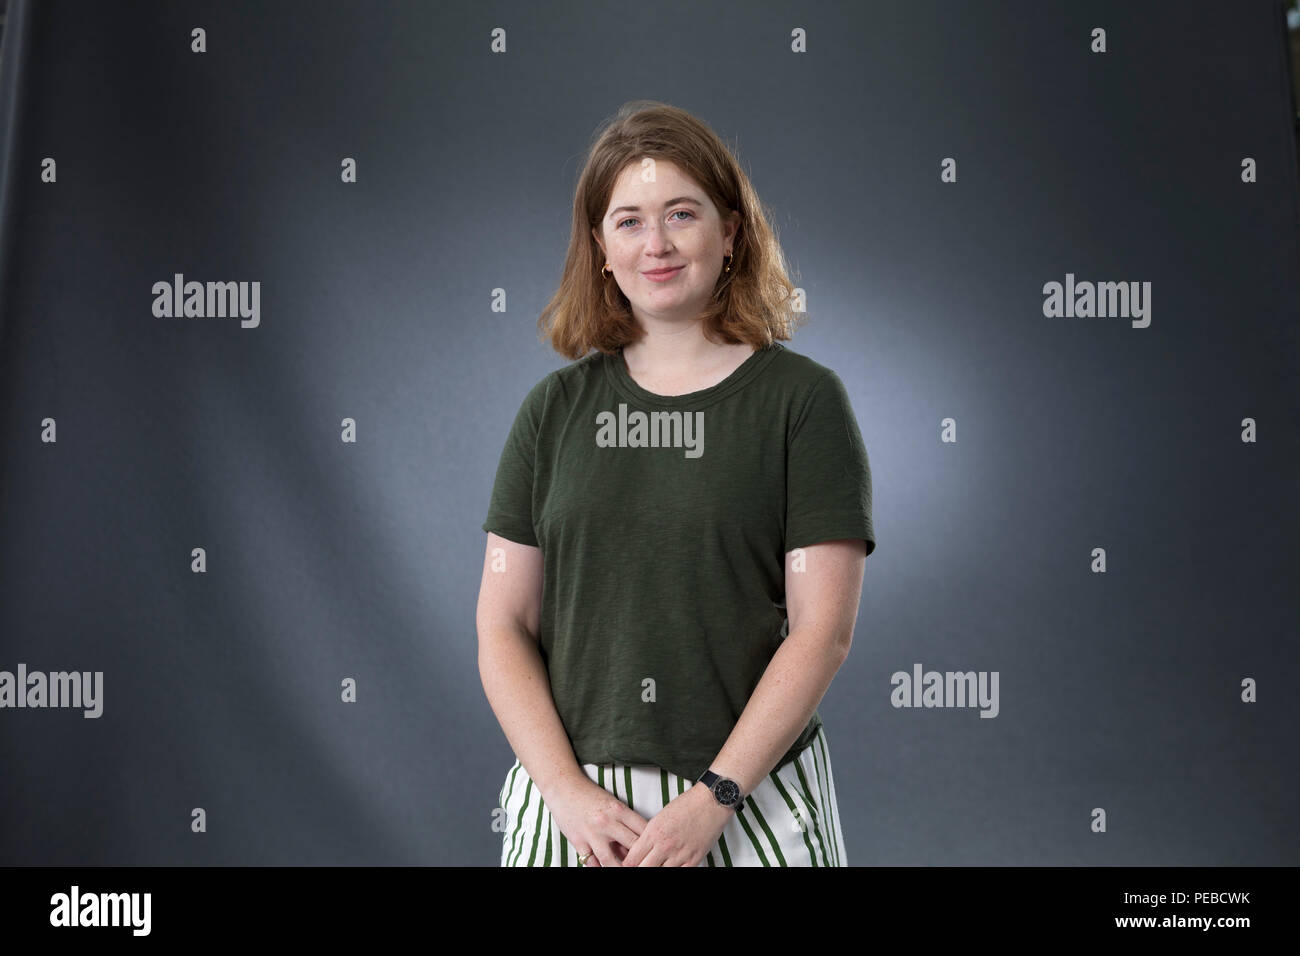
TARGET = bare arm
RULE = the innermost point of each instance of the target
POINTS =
(599, 825)
(511, 668)
(822, 606)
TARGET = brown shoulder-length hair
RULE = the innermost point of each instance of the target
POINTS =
(751, 303)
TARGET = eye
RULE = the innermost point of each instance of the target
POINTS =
(685, 212)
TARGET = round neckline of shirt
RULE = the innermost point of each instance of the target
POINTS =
(616, 370)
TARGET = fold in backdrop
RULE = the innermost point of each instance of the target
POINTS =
(1096, 504)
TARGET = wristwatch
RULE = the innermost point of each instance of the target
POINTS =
(725, 791)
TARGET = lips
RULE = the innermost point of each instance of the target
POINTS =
(661, 273)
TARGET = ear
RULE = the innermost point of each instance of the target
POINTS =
(733, 225)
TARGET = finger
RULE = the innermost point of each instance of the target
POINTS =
(625, 834)
(655, 857)
(635, 853)
(633, 821)
(678, 857)
(606, 855)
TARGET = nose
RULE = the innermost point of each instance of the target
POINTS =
(656, 238)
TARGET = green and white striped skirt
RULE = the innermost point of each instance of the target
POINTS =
(791, 818)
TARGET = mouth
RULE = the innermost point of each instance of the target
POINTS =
(658, 275)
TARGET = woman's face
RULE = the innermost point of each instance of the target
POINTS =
(665, 223)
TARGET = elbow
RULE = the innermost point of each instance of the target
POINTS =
(830, 644)
(485, 652)
(499, 645)
(840, 641)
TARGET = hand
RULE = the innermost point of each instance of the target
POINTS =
(592, 818)
(682, 833)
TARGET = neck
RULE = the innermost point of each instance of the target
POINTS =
(676, 348)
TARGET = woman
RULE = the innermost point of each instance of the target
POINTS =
(676, 535)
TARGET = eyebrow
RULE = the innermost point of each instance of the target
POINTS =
(670, 202)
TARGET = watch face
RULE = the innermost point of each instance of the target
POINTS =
(727, 792)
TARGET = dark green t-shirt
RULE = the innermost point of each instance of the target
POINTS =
(663, 523)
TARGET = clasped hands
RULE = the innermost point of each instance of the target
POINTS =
(681, 834)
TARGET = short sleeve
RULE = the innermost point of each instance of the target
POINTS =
(828, 477)
(510, 510)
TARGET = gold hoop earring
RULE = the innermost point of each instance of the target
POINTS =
(602, 271)
(730, 256)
